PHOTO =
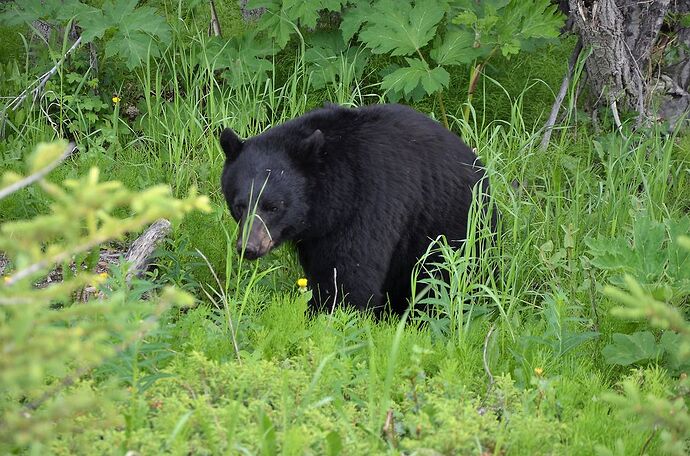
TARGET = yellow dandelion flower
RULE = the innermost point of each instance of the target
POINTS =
(538, 371)
(302, 282)
(101, 277)
(116, 100)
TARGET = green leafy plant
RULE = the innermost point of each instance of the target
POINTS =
(130, 32)
(285, 17)
(48, 343)
(332, 62)
(242, 60)
(562, 333)
(429, 37)
(642, 347)
(668, 413)
(651, 254)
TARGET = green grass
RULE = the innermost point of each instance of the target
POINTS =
(248, 372)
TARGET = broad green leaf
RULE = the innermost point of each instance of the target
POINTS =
(73, 9)
(465, 18)
(611, 254)
(400, 28)
(277, 26)
(302, 11)
(116, 13)
(634, 348)
(572, 340)
(146, 19)
(540, 20)
(417, 74)
(29, 11)
(672, 343)
(93, 26)
(511, 26)
(649, 237)
(134, 49)
(271, 5)
(353, 18)
(334, 443)
(245, 57)
(646, 255)
(525, 24)
(437, 79)
(332, 5)
(510, 47)
(457, 48)
(330, 59)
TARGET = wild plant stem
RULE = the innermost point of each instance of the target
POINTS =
(442, 107)
(474, 79)
(439, 95)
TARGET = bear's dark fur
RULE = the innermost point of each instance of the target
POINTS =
(362, 191)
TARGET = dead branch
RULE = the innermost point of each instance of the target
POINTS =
(214, 26)
(139, 253)
(14, 104)
(614, 111)
(548, 128)
(389, 428)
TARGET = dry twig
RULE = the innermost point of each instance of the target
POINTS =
(14, 104)
(214, 26)
(548, 128)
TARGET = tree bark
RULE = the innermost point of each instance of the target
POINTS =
(676, 76)
(623, 36)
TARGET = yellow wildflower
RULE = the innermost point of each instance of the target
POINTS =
(101, 277)
(539, 371)
(6, 279)
(116, 99)
(302, 282)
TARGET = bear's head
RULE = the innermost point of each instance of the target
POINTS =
(266, 187)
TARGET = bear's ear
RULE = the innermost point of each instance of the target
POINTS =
(309, 147)
(231, 144)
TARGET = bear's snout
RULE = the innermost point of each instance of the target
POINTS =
(259, 241)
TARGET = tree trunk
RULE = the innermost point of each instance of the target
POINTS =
(676, 75)
(623, 36)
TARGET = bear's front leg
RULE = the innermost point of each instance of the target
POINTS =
(353, 284)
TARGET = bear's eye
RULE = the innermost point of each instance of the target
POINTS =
(270, 208)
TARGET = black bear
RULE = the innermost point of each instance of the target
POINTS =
(360, 191)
